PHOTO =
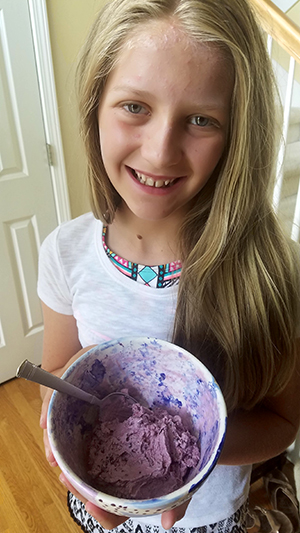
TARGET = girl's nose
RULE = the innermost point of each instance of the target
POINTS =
(161, 146)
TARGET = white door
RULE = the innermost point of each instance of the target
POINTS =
(27, 208)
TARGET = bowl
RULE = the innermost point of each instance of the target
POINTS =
(154, 372)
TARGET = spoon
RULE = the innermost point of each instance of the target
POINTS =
(31, 372)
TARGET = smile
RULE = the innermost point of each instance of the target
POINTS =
(149, 182)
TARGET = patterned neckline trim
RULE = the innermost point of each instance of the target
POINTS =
(158, 276)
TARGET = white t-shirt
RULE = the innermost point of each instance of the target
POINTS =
(77, 278)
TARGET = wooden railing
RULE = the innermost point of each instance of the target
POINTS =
(279, 26)
(281, 29)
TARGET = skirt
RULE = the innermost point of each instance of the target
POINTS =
(235, 523)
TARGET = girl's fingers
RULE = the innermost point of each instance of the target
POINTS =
(43, 424)
(48, 452)
(107, 520)
(66, 483)
(44, 409)
(169, 518)
(43, 418)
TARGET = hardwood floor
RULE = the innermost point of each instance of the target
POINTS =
(32, 500)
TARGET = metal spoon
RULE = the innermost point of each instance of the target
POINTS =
(31, 372)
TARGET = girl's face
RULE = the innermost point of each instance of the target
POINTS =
(163, 120)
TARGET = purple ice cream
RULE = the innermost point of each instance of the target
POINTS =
(146, 456)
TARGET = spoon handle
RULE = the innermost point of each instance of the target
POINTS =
(31, 372)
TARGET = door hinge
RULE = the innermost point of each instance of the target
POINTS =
(49, 154)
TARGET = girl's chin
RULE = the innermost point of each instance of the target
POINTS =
(153, 214)
(150, 217)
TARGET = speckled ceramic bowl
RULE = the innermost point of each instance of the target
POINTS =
(158, 373)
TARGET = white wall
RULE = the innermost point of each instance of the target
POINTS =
(284, 5)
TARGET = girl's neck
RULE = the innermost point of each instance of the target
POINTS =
(141, 241)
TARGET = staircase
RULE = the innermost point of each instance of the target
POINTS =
(291, 172)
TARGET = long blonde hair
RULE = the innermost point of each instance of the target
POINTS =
(238, 294)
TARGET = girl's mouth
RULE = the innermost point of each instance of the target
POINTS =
(150, 182)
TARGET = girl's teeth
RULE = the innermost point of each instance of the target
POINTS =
(150, 182)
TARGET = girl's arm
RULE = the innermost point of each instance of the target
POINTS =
(267, 430)
(60, 341)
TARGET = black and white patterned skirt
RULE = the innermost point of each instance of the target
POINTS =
(236, 523)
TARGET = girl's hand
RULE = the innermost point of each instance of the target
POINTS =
(43, 423)
(107, 520)
(169, 518)
(110, 521)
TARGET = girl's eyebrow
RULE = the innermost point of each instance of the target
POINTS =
(146, 94)
(131, 89)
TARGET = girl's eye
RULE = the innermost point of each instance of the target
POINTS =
(198, 120)
(135, 109)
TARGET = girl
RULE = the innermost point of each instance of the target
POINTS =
(178, 119)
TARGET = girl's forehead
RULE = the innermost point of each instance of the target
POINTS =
(168, 35)
(159, 34)
(165, 41)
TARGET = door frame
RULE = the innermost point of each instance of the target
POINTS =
(45, 73)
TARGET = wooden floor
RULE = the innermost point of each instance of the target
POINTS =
(31, 497)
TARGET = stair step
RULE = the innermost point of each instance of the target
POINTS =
(294, 125)
(291, 169)
(291, 172)
(286, 212)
